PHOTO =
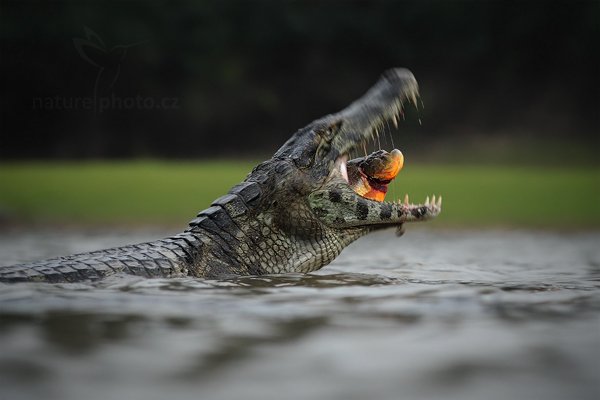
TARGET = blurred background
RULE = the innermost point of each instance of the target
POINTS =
(89, 86)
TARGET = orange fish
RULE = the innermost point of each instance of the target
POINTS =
(369, 176)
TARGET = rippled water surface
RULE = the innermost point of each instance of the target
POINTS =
(432, 315)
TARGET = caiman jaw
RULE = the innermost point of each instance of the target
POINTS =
(360, 123)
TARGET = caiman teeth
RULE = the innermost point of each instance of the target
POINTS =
(433, 201)
(413, 98)
(343, 169)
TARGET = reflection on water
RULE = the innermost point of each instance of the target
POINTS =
(433, 315)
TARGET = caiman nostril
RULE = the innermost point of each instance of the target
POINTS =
(399, 74)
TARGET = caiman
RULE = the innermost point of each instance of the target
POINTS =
(293, 213)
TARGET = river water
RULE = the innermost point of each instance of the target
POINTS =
(467, 314)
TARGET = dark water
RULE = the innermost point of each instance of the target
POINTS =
(433, 315)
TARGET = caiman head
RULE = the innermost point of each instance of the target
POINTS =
(308, 202)
(317, 155)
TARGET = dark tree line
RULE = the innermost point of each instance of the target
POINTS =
(197, 78)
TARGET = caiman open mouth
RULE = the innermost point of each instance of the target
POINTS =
(370, 176)
(370, 185)
(362, 123)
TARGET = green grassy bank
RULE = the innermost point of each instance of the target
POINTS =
(172, 192)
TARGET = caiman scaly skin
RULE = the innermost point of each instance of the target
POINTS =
(293, 213)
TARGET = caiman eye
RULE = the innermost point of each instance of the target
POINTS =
(326, 137)
(323, 149)
(328, 133)
(332, 130)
